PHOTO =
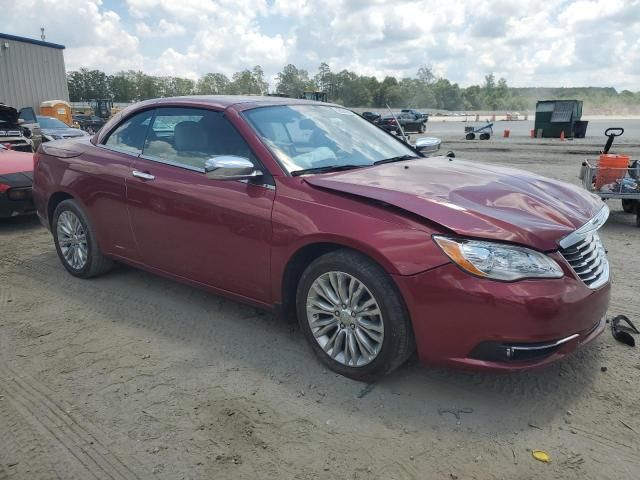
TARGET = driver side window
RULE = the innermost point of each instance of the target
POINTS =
(129, 136)
(188, 137)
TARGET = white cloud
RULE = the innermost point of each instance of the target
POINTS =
(552, 43)
(163, 29)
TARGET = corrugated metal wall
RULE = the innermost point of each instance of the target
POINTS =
(31, 74)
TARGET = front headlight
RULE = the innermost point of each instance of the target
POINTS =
(498, 261)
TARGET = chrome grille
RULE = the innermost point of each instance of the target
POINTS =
(588, 259)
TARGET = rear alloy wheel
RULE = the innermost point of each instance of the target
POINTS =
(76, 242)
(353, 316)
(72, 239)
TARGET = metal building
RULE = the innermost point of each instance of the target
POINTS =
(31, 71)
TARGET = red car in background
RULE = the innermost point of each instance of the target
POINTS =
(308, 210)
(16, 172)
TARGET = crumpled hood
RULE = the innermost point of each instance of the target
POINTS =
(474, 200)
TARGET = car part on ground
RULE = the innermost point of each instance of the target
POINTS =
(623, 333)
(354, 206)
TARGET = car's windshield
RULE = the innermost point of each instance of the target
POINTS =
(315, 136)
(48, 122)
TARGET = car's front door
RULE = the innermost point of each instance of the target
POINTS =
(210, 231)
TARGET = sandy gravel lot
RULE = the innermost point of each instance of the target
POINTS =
(131, 376)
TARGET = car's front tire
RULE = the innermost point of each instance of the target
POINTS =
(76, 242)
(353, 316)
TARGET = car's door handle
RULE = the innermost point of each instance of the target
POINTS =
(143, 175)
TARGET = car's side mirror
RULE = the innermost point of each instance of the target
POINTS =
(428, 145)
(230, 167)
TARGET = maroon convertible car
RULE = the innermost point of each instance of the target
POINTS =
(308, 210)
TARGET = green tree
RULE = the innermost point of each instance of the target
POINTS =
(146, 86)
(292, 81)
(473, 99)
(75, 82)
(261, 85)
(213, 84)
(324, 79)
(245, 83)
(123, 86)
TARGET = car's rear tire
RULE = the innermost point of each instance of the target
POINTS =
(353, 316)
(76, 242)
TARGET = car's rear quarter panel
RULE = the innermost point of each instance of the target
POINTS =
(95, 179)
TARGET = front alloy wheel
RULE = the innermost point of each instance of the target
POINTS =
(353, 315)
(345, 319)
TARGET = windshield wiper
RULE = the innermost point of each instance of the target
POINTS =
(396, 159)
(326, 169)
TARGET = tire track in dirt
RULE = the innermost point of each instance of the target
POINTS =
(157, 311)
(22, 451)
(47, 415)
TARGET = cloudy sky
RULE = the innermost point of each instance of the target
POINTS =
(530, 43)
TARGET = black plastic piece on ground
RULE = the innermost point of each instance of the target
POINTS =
(622, 333)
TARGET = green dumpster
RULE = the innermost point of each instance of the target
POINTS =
(556, 116)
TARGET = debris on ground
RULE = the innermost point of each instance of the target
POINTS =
(366, 390)
(541, 456)
(455, 412)
(623, 333)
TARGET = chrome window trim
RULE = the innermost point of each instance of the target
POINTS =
(169, 162)
(117, 150)
(594, 224)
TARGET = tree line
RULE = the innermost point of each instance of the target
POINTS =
(424, 90)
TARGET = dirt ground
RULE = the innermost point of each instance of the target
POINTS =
(132, 376)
